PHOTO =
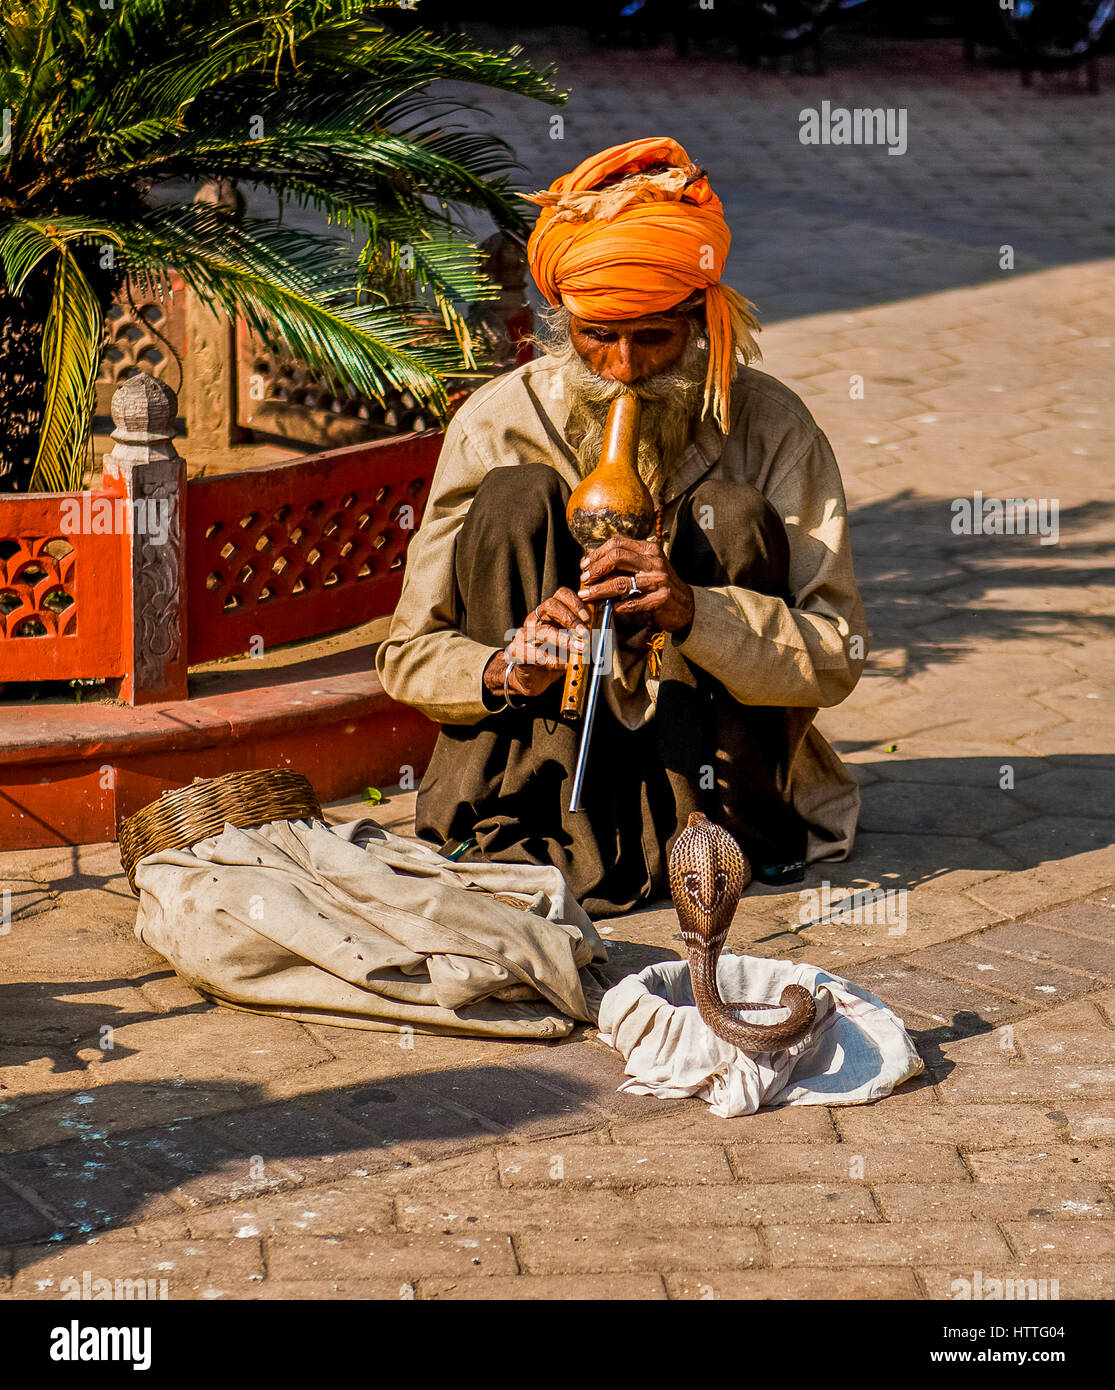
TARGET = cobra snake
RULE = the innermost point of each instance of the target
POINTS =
(708, 872)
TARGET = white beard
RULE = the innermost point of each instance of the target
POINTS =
(671, 403)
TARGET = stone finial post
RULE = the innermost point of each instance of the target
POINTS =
(147, 476)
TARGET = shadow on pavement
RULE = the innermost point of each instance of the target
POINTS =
(909, 563)
(70, 1191)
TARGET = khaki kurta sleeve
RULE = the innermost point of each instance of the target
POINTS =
(426, 661)
(765, 652)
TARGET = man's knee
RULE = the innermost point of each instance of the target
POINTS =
(728, 532)
(528, 492)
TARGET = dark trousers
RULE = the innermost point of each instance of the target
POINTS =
(504, 782)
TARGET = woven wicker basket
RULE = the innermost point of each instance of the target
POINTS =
(181, 818)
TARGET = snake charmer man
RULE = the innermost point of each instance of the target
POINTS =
(735, 622)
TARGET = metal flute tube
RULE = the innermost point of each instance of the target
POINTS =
(603, 651)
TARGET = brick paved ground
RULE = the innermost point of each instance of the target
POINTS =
(245, 1157)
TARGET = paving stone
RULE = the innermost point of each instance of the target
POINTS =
(796, 1285)
(23, 898)
(20, 1222)
(1057, 948)
(310, 1141)
(153, 1232)
(511, 1210)
(1096, 919)
(575, 1164)
(636, 1288)
(389, 1256)
(1076, 1046)
(922, 861)
(696, 1123)
(189, 1161)
(1045, 1163)
(921, 808)
(1089, 1127)
(333, 1290)
(999, 1201)
(110, 1109)
(374, 1055)
(463, 1173)
(993, 1049)
(964, 1006)
(1016, 717)
(88, 1185)
(169, 993)
(1039, 984)
(1074, 859)
(185, 1265)
(1034, 1081)
(513, 1100)
(107, 910)
(970, 1126)
(1078, 737)
(352, 1207)
(1036, 1282)
(1104, 1001)
(591, 1072)
(219, 1044)
(751, 1203)
(1055, 1242)
(910, 1243)
(59, 1016)
(1082, 1015)
(399, 1114)
(835, 1163)
(1071, 792)
(31, 1074)
(631, 1249)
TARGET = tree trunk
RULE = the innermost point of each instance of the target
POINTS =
(22, 383)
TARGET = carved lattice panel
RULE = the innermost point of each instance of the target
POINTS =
(306, 548)
(143, 338)
(38, 595)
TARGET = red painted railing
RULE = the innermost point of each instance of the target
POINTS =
(278, 555)
(61, 580)
(307, 547)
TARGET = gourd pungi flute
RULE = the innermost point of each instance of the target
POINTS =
(611, 501)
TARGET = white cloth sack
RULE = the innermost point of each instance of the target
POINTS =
(858, 1051)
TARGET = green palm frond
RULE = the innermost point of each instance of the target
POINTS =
(297, 287)
(114, 109)
(71, 354)
(22, 247)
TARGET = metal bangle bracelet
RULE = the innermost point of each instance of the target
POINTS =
(507, 701)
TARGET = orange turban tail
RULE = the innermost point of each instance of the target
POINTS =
(640, 245)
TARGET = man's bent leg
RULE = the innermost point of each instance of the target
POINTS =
(505, 780)
(735, 756)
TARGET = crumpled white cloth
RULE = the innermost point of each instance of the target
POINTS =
(355, 926)
(858, 1051)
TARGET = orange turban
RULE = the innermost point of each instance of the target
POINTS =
(640, 245)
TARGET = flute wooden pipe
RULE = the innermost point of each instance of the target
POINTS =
(611, 501)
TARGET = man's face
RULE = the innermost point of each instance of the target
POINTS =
(630, 350)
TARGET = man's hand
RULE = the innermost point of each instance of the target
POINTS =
(541, 648)
(666, 599)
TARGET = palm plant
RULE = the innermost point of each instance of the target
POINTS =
(112, 115)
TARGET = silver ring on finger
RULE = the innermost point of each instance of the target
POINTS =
(634, 591)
